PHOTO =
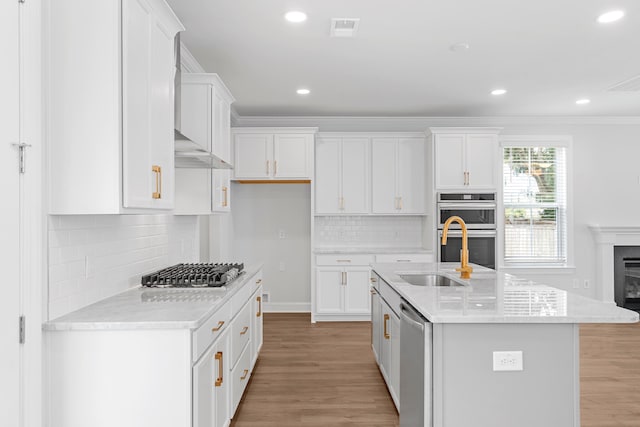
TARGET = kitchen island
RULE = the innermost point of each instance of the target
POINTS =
(498, 350)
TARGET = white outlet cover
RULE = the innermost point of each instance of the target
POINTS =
(507, 361)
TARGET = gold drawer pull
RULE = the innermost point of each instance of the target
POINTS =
(275, 168)
(220, 369)
(267, 167)
(373, 280)
(244, 330)
(258, 281)
(225, 202)
(158, 171)
(217, 328)
(259, 313)
(386, 333)
(244, 374)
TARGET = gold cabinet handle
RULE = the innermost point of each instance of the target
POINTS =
(258, 281)
(217, 328)
(220, 378)
(341, 203)
(267, 167)
(275, 167)
(400, 203)
(373, 280)
(225, 201)
(244, 330)
(158, 171)
(343, 260)
(259, 313)
(244, 374)
(386, 333)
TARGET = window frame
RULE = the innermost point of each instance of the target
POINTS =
(556, 141)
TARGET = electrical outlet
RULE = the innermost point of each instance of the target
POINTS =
(586, 283)
(507, 361)
(281, 234)
(266, 296)
(576, 284)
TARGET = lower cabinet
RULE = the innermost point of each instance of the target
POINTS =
(342, 290)
(211, 382)
(256, 331)
(385, 335)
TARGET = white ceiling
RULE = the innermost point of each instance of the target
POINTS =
(546, 53)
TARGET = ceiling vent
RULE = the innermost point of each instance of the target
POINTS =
(630, 85)
(344, 27)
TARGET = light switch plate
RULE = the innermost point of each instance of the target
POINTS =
(507, 361)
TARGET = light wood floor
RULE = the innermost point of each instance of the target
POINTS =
(325, 375)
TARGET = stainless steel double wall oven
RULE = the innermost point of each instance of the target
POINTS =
(479, 212)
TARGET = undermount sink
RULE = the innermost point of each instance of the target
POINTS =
(429, 279)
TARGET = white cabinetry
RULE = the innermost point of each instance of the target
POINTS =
(256, 331)
(211, 386)
(398, 178)
(385, 335)
(206, 105)
(273, 153)
(466, 158)
(342, 287)
(110, 69)
(342, 175)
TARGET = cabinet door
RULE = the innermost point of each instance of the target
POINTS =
(449, 161)
(394, 370)
(222, 190)
(384, 161)
(211, 386)
(327, 183)
(356, 290)
(385, 342)
(329, 293)
(355, 175)
(482, 157)
(292, 156)
(252, 156)
(411, 175)
(195, 117)
(256, 331)
(376, 325)
(221, 126)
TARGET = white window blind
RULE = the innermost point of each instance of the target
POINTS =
(535, 204)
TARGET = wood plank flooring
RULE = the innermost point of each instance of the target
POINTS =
(325, 375)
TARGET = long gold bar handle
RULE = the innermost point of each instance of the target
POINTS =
(217, 328)
(244, 374)
(225, 202)
(386, 334)
(275, 167)
(259, 313)
(158, 171)
(267, 167)
(220, 378)
(244, 330)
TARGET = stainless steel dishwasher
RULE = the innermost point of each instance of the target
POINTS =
(415, 368)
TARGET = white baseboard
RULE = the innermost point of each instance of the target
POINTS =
(286, 307)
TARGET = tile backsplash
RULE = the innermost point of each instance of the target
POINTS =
(92, 257)
(368, 231)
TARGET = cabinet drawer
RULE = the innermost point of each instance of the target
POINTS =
(239, 378)
(419, 257)
(242, 296)
(206, 334)
(344, 259)
(240, 332)
(391, 297)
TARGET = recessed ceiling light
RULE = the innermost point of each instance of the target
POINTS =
(295, 16)
(303, 91)
(498, 92)
(459, 47)
(611, 16)
(583, 101)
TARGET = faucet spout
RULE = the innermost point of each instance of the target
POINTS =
(465, 269)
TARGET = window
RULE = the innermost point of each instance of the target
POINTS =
(535, 201)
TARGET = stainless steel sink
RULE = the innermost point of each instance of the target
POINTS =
(423, 279)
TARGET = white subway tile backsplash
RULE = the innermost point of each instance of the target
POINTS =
(92, 257)
(368, 231)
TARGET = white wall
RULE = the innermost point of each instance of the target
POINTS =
(92, 257)
(259, 213)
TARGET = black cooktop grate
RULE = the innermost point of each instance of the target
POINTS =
(193, 275)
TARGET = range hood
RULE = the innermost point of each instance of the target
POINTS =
(189, 154)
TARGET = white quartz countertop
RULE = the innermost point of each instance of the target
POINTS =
(152, 308)
(493, 297)
(368, 250)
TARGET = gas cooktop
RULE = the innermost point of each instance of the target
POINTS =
(193, 275)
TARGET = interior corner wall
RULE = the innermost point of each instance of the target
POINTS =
(272, 225)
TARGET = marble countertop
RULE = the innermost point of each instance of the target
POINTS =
(368, 250)
(152, 308)
(493, 297)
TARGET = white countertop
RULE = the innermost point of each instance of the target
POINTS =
(368, 250)
(492, 297)
(152, 308)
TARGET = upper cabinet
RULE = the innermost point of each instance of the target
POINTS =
(466, 158)
(398, 178)
(110, 70)
(342, 175)
(273, 153)
(206, 120)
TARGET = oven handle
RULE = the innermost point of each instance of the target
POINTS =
(470, 233)
(469, 206)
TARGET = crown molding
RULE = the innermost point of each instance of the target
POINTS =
(188, 62)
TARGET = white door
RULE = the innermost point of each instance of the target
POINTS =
(328, 176)
(481, 160)
(252, 156)
(356, 290)
(449, 162)
(383, 186)
(376, 325)
(292, 156)
(355, 175)
(9, 216)
(411, 176)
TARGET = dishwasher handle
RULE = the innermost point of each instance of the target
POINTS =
(412, 317)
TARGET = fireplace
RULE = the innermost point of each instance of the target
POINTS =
(626, 276)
